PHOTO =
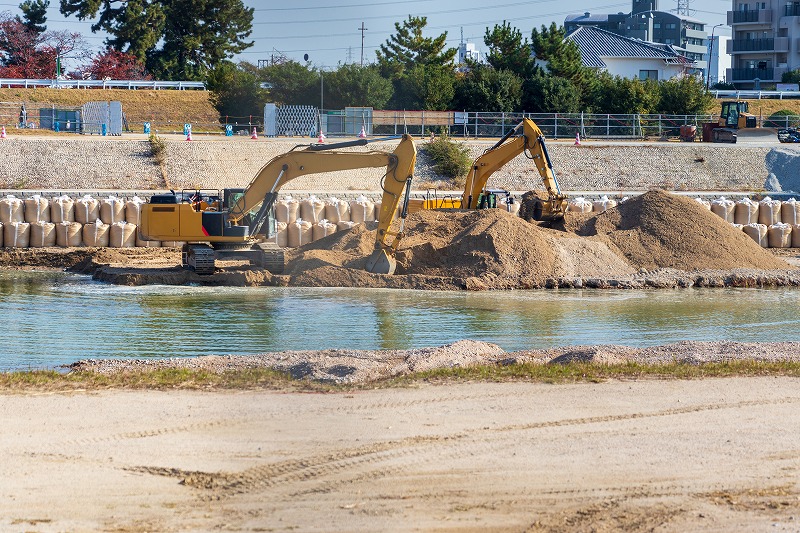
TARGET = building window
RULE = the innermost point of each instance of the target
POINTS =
(669, 41)
(656, 25)
(648, 75)
(670, 26)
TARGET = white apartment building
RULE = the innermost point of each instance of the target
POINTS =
(765, 41)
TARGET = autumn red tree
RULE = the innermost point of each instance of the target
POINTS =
(115, 65)
(25, 53)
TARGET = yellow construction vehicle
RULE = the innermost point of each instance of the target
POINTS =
(736, 123)
(237, 223)
(525, 138)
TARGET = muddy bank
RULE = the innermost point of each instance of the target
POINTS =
(363, 366)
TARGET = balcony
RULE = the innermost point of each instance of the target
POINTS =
(753, 16)
(749, 74)
(750, 45)
(695, 34)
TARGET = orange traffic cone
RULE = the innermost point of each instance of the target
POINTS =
(577, 139)
(321, 138)
(254, 135)
(363, 134)
(189, 134)
(3, 133)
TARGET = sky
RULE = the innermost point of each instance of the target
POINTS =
(329, 30)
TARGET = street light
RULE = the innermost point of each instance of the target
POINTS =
(710, 53)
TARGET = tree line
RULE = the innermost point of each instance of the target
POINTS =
(543, 74)
(197, 39)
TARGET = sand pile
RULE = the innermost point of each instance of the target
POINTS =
(662, 230)
(493, 249)
(486, 249)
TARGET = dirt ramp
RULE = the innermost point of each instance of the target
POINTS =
(662, 230)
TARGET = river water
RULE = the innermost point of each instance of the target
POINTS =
(51, 318)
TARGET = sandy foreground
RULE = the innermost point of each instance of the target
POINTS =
(702, 455)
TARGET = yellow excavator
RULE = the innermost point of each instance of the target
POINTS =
(525, 138)
(238, 223)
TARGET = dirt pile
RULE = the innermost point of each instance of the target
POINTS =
(662, 230)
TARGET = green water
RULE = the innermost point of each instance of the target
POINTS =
(50, 319)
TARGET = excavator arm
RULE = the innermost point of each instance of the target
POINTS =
(525, 138)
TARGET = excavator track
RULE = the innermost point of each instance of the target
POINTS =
(273, 258)
(199, 257)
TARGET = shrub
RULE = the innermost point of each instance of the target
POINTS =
(778, 119)
(158, 148)
(451, 159)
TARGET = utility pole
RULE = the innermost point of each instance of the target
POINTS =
(363, 29)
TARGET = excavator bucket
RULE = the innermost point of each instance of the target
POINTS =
(381, 262)
(756, 135)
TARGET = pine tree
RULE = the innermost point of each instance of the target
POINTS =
(34, 15)
(508, 50)
(194, 35)
(408, 48)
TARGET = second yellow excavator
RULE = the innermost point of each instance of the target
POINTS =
(237, 223)
(525, 138)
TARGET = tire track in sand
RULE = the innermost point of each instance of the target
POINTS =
(415, 451)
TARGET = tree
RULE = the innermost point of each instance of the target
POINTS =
(686, 95)
(487, 89)
(792, 76)
(550, 94)
(177, 39)
(562, 57)
(428, 87)
(34, 14)
(615, 94)
(115, 65)
(354, 85)
(236, 91)
(292, 83)
(24, 53)
(508, 51)
(408, 48)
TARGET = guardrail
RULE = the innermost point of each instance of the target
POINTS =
(28, 83)
(754, 95)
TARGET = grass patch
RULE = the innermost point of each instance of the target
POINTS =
(166, 110)
(589, 372)
(266, 379)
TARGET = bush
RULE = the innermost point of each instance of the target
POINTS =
(450, 158)
(778, 120)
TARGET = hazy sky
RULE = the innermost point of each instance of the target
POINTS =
(328, 31)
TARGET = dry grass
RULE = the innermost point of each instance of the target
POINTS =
(264, 378)
(161, 108)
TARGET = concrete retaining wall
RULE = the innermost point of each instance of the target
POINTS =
(92, 164)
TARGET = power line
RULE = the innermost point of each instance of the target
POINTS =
(341, 6)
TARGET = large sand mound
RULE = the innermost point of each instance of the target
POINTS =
(662, 230)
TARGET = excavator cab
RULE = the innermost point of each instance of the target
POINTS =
(736, 115)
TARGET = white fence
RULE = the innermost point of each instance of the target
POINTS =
(102, 84)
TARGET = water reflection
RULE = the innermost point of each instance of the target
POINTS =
(55, 318)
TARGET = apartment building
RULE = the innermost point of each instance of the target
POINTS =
(765, 41)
